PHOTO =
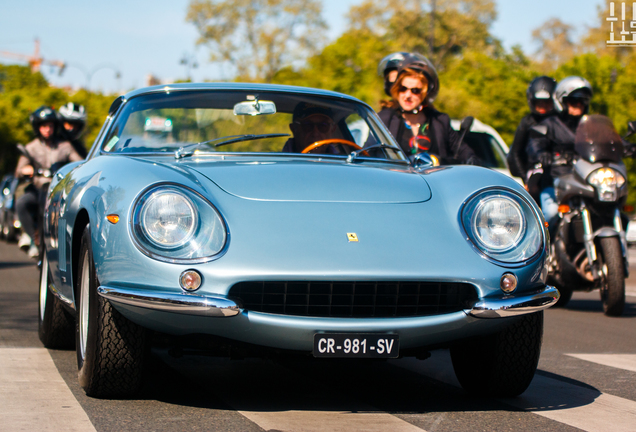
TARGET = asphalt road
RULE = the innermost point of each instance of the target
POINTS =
(586, 381)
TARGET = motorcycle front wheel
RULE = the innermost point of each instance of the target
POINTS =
(613, 286)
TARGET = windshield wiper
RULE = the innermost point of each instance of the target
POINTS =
(354, 154)
(188, 150)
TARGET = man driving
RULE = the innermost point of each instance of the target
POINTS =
(310, 124)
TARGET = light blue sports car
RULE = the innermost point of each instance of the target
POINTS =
(259, 218)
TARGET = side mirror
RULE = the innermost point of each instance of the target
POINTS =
(423, 160)
(254, 108)
(631, 126)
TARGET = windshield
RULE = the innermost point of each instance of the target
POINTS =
(597, 140)
(194, 122)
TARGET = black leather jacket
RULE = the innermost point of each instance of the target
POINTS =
(443, 137)
(553, 138)
(517, 156)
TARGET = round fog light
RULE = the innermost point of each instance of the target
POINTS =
(508, 283)
(190, 280)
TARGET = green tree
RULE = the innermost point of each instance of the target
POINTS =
(21, 93)
(258, 37)
(459, 25)
(555, 40)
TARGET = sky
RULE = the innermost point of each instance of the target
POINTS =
(113, 46)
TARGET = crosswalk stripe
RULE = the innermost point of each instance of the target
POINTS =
(619, 361)
(34, 396)
(580, 407)
(577, 406)
(319, 421)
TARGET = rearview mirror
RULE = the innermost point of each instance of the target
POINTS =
(631, 126)
(254, 108)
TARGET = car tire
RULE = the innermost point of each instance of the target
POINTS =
(502, 364)
(110, 349)
(56, 326)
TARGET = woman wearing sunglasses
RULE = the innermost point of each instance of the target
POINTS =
(416, 125)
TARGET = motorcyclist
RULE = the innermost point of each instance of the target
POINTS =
(551, 145)
(539, 95)
(44, 151)
(416, 125)
(73, 119)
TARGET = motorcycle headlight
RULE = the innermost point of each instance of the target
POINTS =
(175, 224)
(503, 226)
(607, 182)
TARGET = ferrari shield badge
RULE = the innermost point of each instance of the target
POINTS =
(353, 237)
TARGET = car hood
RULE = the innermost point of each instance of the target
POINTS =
(316, 181)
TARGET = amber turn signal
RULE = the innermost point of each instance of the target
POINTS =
(113, 218)
(564, 208)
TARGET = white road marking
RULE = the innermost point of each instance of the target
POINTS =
(576, 406)
(319, 421)
(580, 407)
(34, 396)
(619, 361)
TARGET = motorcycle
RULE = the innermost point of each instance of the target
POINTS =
(47, 173)
(589, 247)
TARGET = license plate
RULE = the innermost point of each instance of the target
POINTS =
(358, 345)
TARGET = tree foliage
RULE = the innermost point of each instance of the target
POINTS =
(21, 93)
(258, 37)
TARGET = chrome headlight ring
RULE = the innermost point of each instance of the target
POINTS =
(173, 223)
(502, 226)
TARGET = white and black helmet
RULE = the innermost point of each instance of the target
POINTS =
(572, 87)
(76, 115)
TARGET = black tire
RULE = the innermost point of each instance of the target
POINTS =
(566, 295)
(502, 364)
(56, 326)
(110, 349)
(613, 288)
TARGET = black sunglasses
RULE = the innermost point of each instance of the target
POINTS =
(414, 90)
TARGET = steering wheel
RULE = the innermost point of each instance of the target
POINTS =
(333, 141)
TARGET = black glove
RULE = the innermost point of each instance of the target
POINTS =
(545, 158)
(473, 160)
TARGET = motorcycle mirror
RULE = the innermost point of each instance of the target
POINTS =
(23, 151)
(631, 126)
(464, 127)
(467, 122)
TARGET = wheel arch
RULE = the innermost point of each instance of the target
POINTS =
(81, 222)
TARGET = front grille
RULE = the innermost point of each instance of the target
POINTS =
(354, 299)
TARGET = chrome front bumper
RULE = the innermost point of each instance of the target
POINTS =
(212, 306)
(512, 305)
(184, 303)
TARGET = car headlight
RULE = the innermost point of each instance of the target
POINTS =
(175, 224)
(503, 226)
(607, 182)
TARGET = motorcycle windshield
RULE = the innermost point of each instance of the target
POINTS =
(597, 140)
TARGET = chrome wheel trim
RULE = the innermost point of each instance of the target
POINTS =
(44, 285)
(83, 306)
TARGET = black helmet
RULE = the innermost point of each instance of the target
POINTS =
(541, 88)
(390, 63)
(419, 63)
(44, 114)
(75, 115)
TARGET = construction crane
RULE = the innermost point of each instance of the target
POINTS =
(36, 60)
